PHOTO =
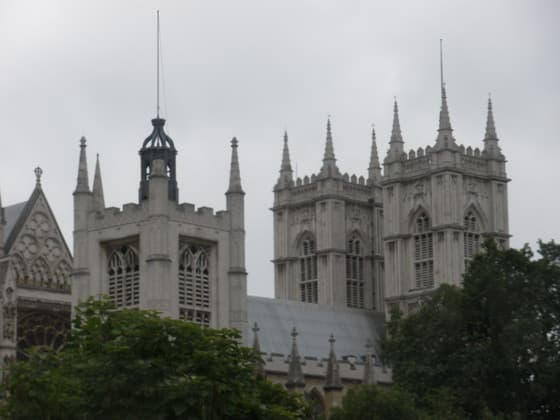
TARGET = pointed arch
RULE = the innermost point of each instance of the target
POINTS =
(62, 276)
(420, 224)
(39, 273)
(473, 225)
(306, 247)
(194, 284)
(318, 406)
(123, 269)
(355, 270)
(419, 211)
(20, 270)
(477, 211)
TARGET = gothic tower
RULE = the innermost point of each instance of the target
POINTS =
(440, 203)
(327, 234)
(159, 254)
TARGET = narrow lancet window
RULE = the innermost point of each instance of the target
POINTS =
(471, 236)
(423, 253)
(354, 274)
(194, 284)
(124, 276)
(308, 270)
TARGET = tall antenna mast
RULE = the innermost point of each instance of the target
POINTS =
(157, 60)
(440, 64)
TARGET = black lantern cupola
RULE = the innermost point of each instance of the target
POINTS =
(158, 145)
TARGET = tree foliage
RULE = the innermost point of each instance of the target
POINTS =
(131, 364)
(494, 344)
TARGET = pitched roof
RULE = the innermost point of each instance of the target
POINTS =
(12, 214)
(315, 323)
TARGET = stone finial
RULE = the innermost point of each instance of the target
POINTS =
(491, 146)
(234, 173)
(38, 173)
(445, 137)
(369, 377)
(295, 373)
(329, 167)
(374, 170)
(259, 364)
(82, 184)
(97, 191)
(332, 379)
(286, 174)
(396, 134)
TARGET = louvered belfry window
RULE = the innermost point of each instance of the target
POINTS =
(308, 271)
(194, 284)
(423, 253)
(124, 276)
(471, 236)
(354, 274)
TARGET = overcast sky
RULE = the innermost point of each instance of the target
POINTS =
(252, 68)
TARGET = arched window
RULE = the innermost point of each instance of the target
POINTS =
(423, 253)
(471, 236)
(194, 285)
(61, 276)
(354, 274)
(19, 269)
(39, 273)
(308, 271)
(124, 276)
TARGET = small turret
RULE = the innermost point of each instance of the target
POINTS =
(82, 184)
(158, 146)
(332, 379)
(491, 146)
(98, 202)
(295, 373)
(329, 168)
(286, 178)
(369, 377)
(374, 170)
(396, 144)
(259, 364)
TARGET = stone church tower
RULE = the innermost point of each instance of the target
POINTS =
(328, 245)
(159, 254)
(440, 204)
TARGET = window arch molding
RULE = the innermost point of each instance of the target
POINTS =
(423, 249)
(479, 214)
(39, 273)
(196, 291)
(306, 251)
(300, 238)
(123, 271)
(19, 268)
(355, 276)
(413, 216)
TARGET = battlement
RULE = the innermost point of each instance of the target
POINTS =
(420, 161)
(184, 212)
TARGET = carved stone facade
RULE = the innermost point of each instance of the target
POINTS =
(327, 235)
(440, 203)
(35, 277)
(160, 254)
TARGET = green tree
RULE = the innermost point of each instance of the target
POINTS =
(133, 364)
(493, 344)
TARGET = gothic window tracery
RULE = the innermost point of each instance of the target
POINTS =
(423, 253)
(38, 327)
(194, 285)
(354, 274)
(308, 271)
(39, 273)
(61, 278)
(19, 268)
(471, 236)
(124, 276)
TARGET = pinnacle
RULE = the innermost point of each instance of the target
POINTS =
(396, 135)
(97, 191)
(490, 126)
(234, 173)
(374, 170)
(82, 184)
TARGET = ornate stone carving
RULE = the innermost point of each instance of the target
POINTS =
(39, 224)
(27, 246)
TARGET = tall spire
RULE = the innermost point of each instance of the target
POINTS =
(157, 65)
(369, 378)
(98, 195)
(286, 174)
(374, 170)
(445, 131)
(329, 167)
(82, 184)
(295, 373)
(332, 380)
(396, 144)
(491, 137)
(259, 368)
(234, 173)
